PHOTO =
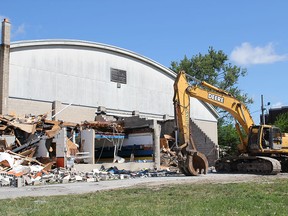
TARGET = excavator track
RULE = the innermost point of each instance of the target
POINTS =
(248, 164)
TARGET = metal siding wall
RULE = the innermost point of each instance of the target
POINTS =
(81, 75)
(83, 78)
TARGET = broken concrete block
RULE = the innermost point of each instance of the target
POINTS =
(78, 178)
(91, 180)
(27, 180)
(72, 179)
(113, 176)
(47, 177)
(6, 181)
(89, 174)
(37, 182)
(66, 179)
(104, 177)
(96, 171)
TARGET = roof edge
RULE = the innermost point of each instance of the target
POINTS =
(28, 43)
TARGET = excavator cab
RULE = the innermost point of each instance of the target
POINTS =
(263, 138)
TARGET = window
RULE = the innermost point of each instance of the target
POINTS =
(277, 137)
(253, 139)
(118, 76)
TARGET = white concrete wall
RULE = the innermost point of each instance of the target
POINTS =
(79, 73)
(88, 144)
(22, 107)
(60, 139)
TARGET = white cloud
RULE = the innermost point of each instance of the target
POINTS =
(17, 31)
(20, 30)
(246, 54)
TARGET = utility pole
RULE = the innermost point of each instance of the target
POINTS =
(262, 110)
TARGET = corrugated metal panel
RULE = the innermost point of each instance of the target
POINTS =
(79, 73)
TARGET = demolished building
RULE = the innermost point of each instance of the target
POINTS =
(80, 81)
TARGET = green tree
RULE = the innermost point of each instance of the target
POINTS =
(228, 138)
(215, 69)
(282, 122)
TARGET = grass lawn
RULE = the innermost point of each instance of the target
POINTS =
(252, 198)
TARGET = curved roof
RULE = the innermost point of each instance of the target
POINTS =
(86, 44)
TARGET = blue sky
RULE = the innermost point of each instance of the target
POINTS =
(253, 34)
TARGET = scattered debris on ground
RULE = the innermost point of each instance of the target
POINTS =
(21, 138)
(37, 175)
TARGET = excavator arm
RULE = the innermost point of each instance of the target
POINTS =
(190, 161)
(222, 99)
(255, 161)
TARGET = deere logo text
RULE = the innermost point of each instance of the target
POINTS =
(215, 98)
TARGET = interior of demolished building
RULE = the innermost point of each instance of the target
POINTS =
(37, 140)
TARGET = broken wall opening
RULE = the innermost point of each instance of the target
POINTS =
(132, 142)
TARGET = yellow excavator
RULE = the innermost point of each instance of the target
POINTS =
(263, 149)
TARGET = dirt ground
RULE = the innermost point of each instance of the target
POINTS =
(85, 187)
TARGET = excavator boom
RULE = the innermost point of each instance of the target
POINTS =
(222, 99)
(259, 160)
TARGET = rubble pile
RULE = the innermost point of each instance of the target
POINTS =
(18, 143)
(37, 175)
(20, 134)
(168, 156)
(20, 139)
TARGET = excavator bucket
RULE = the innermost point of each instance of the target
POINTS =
(196, 163)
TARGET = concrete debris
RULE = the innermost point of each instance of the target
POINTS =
(31, 153)
(37, 136)
(168, 157)
(37, 176)
(20, 134)
(104, 126)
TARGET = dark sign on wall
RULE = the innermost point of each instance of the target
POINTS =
(118, 76)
